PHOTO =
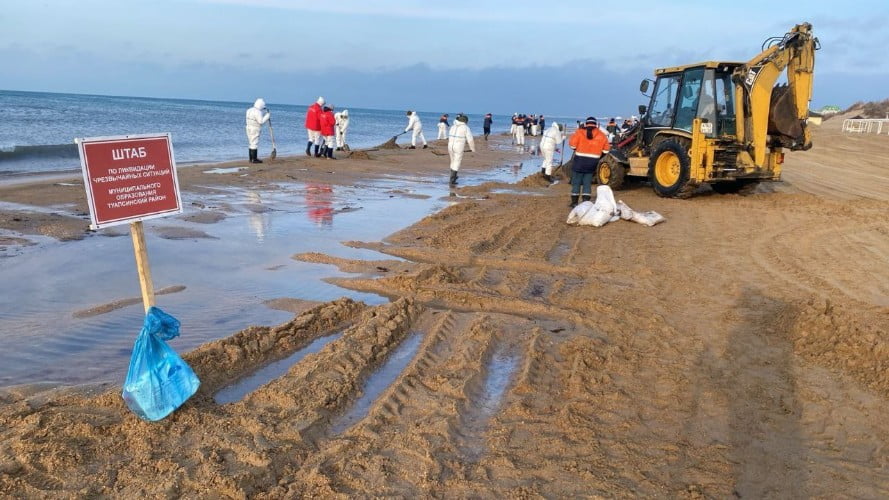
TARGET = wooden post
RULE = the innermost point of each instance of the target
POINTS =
(142, 266)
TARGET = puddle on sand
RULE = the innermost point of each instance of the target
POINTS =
(478, 411)
(378, 382)
(240, 389)
(42, 285)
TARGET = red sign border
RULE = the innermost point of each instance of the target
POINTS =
(95, 224)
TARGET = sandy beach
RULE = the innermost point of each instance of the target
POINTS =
(740, 349)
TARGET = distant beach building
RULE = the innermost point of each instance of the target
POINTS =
(829, 110)
(815, 118)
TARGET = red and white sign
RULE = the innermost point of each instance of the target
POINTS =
(129, 178)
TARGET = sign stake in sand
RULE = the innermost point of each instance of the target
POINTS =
(129, 179)
(142, 266)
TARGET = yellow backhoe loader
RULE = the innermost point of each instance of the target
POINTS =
(720, 123)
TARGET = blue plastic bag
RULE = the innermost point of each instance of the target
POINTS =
(158, 380)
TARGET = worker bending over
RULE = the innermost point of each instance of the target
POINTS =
(551, 138)
(413, 123)
(342, 125)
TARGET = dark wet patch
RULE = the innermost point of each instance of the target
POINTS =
(181, 233)
(117, 304)
(204, 217)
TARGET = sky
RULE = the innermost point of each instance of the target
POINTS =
(502, 56)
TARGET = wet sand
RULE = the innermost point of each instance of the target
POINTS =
(738, 349)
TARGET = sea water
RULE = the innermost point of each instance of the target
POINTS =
(37, 129)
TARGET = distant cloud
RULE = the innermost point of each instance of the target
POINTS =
(454, 10)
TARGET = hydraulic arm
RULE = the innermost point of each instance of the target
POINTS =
(764, 109)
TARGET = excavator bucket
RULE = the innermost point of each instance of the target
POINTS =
(783, 122)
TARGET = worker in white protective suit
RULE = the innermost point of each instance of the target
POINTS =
(413, 124)
(256, 117)
(458, 136)
(520, 130)
(443, 127)
(548, 143)
(342, 125)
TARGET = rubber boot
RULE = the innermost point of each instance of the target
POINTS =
(317, 151)
(573, 200)
(587, 197)
(309, 149)
(249, 155)
(330, 153)
(425, 146)
(453, 179)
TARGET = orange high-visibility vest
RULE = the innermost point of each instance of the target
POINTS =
(592, 148)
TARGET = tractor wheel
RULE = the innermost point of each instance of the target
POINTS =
(669, 169)
(742, 188)
(611, 173)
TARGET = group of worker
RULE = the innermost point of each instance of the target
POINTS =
(523, 125)
(325, 129)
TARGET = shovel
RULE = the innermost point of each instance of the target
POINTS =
(397, 135)
(561, 157)
(272, 135)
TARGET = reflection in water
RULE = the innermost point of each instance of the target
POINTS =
(257, 218)
(319, 202)
(227, 281)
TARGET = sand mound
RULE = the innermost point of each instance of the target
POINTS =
(390, 144)
(533, 180)
(873, 109)
(359, 155)
(843, 337)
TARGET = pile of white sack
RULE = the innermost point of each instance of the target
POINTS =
(606, 210)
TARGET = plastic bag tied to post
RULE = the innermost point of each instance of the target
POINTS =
(158, 380)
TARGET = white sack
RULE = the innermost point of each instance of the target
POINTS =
(626, 213)
(578, 212)
(649, 218)
(605, 200)
(597, 218)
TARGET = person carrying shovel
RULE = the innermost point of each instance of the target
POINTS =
(256, 117)
(548, 144)
(414, 126)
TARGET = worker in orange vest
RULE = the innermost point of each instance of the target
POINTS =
(589, 144)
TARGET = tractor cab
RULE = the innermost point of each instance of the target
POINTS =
(684, 93)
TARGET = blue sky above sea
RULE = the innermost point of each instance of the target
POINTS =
(566, 58)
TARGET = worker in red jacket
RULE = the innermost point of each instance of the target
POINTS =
(328, 125)
(313, 126)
